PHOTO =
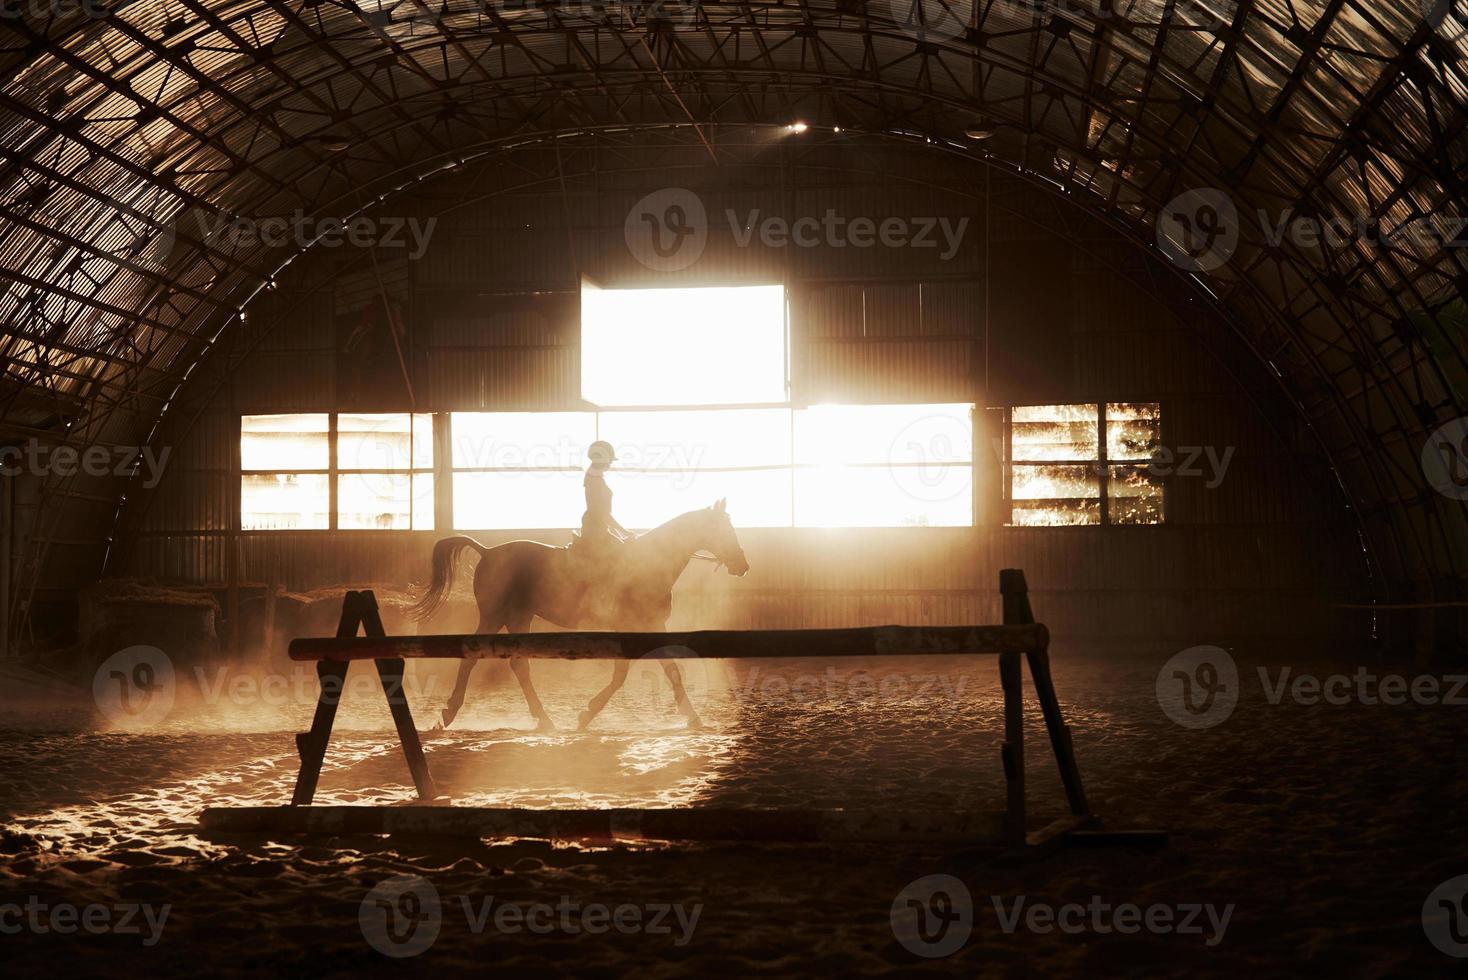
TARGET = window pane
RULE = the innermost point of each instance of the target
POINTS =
(915, 435)
(384, 442)
(1054, 432)
(497, 440)
(386, 501)
(1133, 430)
(284, 501)
(1134, 496)
(756, 498)
(672, 440)
(845, 496)
(1053, 495)
(497, 501)
(709, 346)
(284, 442)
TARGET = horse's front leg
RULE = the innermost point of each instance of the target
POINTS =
(521, 668)
(596, 704)
(456, 698)
(680, 695)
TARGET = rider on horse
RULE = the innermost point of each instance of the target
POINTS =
(600, 531)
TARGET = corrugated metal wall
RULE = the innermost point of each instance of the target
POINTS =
(492, 318)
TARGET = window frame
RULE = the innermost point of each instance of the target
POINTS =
(1102, 465)
(334, 472)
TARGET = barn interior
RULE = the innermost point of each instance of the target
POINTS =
(1158, 301)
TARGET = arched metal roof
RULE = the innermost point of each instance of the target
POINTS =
(121, 119)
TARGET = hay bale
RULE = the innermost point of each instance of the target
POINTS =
(181, 621)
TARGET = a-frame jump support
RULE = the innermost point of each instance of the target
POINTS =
(359, 610)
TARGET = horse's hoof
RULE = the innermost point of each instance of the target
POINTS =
(695, 723)
(583, 720)
(546, 726)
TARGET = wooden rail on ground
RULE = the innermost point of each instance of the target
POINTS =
(1020, 639)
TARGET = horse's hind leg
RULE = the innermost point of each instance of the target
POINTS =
(596, 704)
(521, 669)
(680, 695)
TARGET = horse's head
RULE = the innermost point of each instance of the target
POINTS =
(720, 539)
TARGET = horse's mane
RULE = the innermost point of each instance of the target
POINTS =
(668, 527)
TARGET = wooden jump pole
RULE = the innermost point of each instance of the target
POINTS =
(1019, 639)
(871, 641)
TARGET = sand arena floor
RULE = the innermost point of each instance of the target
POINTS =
(1325, 828)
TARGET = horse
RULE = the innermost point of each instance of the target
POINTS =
(519, 580)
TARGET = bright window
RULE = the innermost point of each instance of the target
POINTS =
(285, 463)
(721, 345)
(832, 466)
(382, 471)
(1061, 470)
(670, 462)
(884, 466)
(519, 469)
(384, 467)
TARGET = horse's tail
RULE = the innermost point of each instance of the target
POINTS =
(445, 561)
